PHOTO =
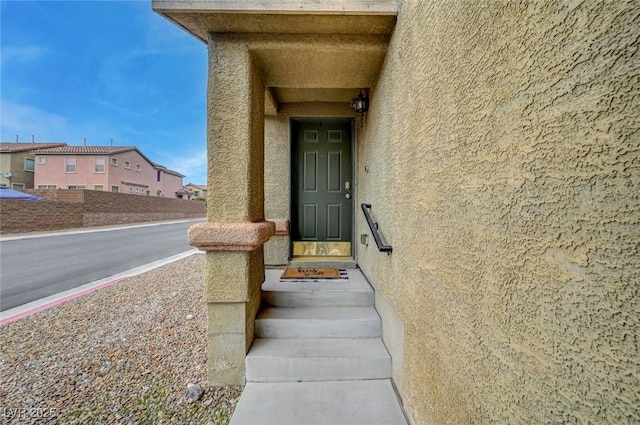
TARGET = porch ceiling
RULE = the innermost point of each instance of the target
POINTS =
(325, 50)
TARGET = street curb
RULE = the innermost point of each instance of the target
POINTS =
(17, 313)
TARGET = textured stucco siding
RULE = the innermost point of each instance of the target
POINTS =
(235, 146)
(53, 172)
(503, 148)
(5, 165)
(277, 184)
(15, 163)
(169, 184)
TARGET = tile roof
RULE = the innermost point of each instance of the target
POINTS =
(98, 150)
(25, 147)
(175, 173)
(85, 150)
(166, 170)
(199, 186)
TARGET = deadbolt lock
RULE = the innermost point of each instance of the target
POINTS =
(347, 185)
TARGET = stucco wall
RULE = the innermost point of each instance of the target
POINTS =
(277, 185)
(5, 165)
(504, 168)
(170, 184)
(15, 163)
(53, 173)
(118, 175)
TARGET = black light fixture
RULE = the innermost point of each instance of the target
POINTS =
(361, 105)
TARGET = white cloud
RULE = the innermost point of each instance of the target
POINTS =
(194, 167)
(25, 120)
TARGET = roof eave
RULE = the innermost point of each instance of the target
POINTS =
(344, 7)
(201, 17)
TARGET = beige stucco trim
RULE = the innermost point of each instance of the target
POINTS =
(243, 236)
(282, 226)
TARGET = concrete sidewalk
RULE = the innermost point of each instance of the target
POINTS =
(371, 402)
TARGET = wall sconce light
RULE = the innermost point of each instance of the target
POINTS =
(361, 105)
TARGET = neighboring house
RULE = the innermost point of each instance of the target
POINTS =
(17, 163)
(168, 182)
(196, 190)
(120, 169)
(500, 155)
(184, 194)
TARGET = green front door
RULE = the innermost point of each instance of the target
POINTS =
(322, 187)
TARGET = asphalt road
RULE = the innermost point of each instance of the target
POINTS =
(36, 267)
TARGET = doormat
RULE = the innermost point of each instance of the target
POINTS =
(310, 273)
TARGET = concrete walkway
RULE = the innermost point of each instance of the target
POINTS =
(318, 357)
(319, 403)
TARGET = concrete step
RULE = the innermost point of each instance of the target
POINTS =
(312, 298)
(291, 360)
(372, 402)
(353, 291)
(318, 322)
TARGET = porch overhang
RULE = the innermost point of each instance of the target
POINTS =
(200, 17)
(321, 51)
(264, 56)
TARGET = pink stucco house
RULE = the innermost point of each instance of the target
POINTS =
(122, 169)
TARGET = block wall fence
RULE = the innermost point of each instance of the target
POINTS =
(69, 209)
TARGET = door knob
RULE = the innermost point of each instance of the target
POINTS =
(348, 196)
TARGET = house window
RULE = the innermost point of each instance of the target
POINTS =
(70, 162)
(29, 164)
(98, 164)
(76, 186)
(138, 167)
(159, 174)
(127, 165)
(115, 189)
(114, 162)
(42, 160)
(131, 189)
(47, 186)
(3, 185)
(18, 186)
(98, 187)
(148, 193)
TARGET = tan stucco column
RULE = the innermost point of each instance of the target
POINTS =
(236, 228)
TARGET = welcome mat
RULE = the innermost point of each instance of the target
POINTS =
(310, 273)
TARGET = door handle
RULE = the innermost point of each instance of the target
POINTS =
(348, 196)
(347, 185)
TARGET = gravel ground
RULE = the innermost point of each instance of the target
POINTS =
(124, 354)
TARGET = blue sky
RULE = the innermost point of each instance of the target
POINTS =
(104, 70)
